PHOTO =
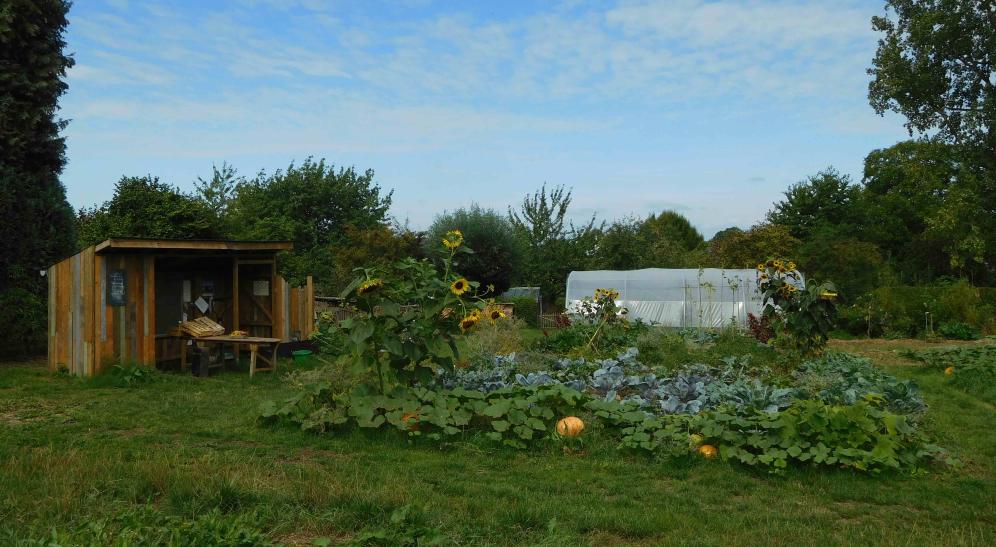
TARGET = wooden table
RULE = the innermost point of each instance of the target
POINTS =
(254, 342)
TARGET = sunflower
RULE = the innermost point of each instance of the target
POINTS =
(761, 267)
(453, 239)
(459, 286)
(790, 266)
(370, 286)
(494, 314)
(468, 322)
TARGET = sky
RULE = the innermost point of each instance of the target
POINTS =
(708, 108)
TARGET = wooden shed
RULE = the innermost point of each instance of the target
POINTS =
(118, 301)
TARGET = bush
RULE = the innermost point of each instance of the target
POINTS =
(23, 316)
(901, 311)
(958, 331)
(972, 368)
(526, 309)
(497, 251)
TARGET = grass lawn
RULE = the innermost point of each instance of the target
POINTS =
(73, 454)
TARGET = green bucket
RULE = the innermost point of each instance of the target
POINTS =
(301, 356)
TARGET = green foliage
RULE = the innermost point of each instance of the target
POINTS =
(526, 309)
(803, 318)
(740, 249)
(219, 191)
(311, 205)
(404, 529)
(858, 436)
(973, 368)
(497, 254)
(908, 311)
(408, 323)
(23, 318)
(377, 247)
(958, 331)
(934, 66)
(147, 526)
(929, 206)
(844, 379)
(856, 267)
(488, 339)
(554, 247)
(512, 416)
(145, 207)
(825, 199)
(37, 227)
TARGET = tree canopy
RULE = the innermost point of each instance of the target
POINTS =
(935, 65)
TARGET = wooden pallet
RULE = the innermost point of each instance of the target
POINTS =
(202, 326)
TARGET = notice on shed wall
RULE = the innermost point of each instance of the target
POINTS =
(116, 287)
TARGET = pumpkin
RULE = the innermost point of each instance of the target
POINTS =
(708, 451)
(949, 371)
(410, 418)
(571, 426)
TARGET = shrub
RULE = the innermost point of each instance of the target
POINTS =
(958, 331)
(760, 328)
(526, 309)
(973, 368)
(23, 317)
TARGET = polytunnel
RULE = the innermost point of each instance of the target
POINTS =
(708, 297)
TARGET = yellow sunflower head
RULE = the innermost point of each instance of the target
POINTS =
(459, 286)
(761, 267)
(495, 314)
(468, 322)
(790, 266)
(370, 286)
(453, 239)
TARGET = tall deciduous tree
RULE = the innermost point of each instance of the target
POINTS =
(36, 229)
(312, 205)
(935, 65)
(554, 246)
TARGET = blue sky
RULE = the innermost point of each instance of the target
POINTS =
(708, 108)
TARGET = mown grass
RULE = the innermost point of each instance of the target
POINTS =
(74, 453)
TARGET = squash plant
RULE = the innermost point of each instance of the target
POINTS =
(408, 321)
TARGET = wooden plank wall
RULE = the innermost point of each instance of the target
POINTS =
(86, 335)
(72, 304)
(295, 309)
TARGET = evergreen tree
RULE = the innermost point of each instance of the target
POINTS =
(37, 226)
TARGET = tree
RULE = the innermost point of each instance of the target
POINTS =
(376, 247)
(554, 247)
(855, 267)
(745, 249)
(310, 205)
(674, 227)
(497, 251)
(655, 242)
(935, 65)
(219, 191)
(826, 199)
(145, 207)
(37, 226)
(931, 208)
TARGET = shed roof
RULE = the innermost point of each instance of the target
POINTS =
(144, 245)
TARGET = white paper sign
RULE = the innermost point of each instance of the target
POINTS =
(201, 304)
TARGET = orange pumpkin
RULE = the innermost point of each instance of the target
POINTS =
(708, 451)
(571, 426)
(410, 418)
(949, 371)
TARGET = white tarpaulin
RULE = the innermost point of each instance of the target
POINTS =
(710, 297)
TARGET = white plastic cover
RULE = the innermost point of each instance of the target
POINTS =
(709, 297)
